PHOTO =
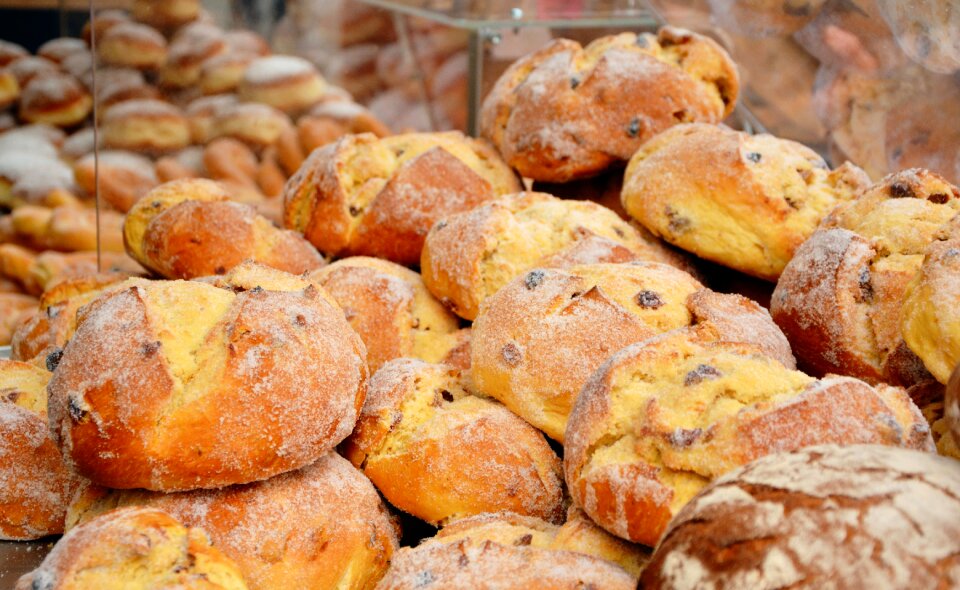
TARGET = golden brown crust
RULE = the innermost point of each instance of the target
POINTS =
(285, 82)
(58, 100)
(145, 125)
(166, 14)
(133, 45)
(378, 197)
(257, 125)
(172, 385)
(441, 453)
(189, 48)
(567, 112)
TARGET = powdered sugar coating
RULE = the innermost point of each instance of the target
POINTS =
(277, 68)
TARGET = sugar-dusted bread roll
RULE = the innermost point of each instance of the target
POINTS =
(257, 125)
(567, 112)
(134, 548)
(323, 526)
(286, 82)
(537, 341)
(839, 300)
(191, 228)
(363, 195)
(35, 485)
(58, 100)
(132, 45)
(661, 419)
(59, 49)
(862, 516)
(166, 14)
(119, 177)
(189, 48)
(392, 311)
(67, 228)
(176, 385)
(469, 256)
(145, 125)
(440, 452)
(743, 201)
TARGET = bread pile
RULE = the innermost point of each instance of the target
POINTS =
(421, 376)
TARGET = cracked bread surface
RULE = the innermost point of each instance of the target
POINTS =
(860, 516)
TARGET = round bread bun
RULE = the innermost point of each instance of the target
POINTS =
(440, 453)
(11, 52)
(78, 144)
(743, 201)
(246, 41)
(257, 125)
(469, 256)
(166, 14)
(28, 68)
(839, 300)
(820, 517)
(37, 272)
(223, 73)
(59, 49)
(35, 485)
(288, 83)
(189, 48)
(367, 196)
(764, 18)
(103, 20)
(124, 177)
(58, 100)
(134, 547)
(661, 419)
(567, 112)
(323, 526)
(116, 85)
(145, 125)
(9, 89)
(392, 311)
(191, 228)
(16, 307)
(202, 112)
(67, 228)
(338, 118)
(132, 45)
(176, 385)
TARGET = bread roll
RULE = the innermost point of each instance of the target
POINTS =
(166, 14)
(134, 547)
(223, 73)
(257, 125)
(58, 100)
(189, 48)
(378, 197)
(9, 89)
(567, 112)
(173, 385)
(469, 256)
(35, 485)
(285, 82)
(661, 419)
(145, 125)
(839, 300)
(59, 49)
(11, 52)
(124, 177)
(743, 201)
(441, 453)
(191, 228)
(391, 310)
(323, 526)
(132, 45)
(862, 516)
(68, 228)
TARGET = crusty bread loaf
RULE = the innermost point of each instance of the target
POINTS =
(379, 197)
(392, 311)
(861, 516)
(174, 385)
(35, 485)
(469, 256)
(744, 201)
(661, 419)
(839, 300)
(134, 548)
(191, 228)
(323, 526)
(568, 112)
(439, 452)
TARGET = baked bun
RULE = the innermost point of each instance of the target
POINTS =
(58, 100)
(11, 52)
(132, 45)
(189, 48)
(123, 87)
(391, 309)
(441, 453)
(469, 256)
(812, 519)
(28, 68)
(134, 547)
(246, 41)
(15, 308)
(9, 89)
(105, 19)
(166, 14)
(223, 73)
(839, 300)
(191, 228)
(59, 49)
(567, 112)
(257, 125)
(743, 201)
(323, 526)
(202, 111)
(67, 228)
(124, 177)
(764, 18)
(661, 419)
(174, 385)
(37, 486)
(291, 84)
(230, 161)
(145, 125)
(379, 197)
(38, 272)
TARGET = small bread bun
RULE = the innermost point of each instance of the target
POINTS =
(201, 113)
(134, 545)
(349, 116)
(291, 84)
(132, 45)
(257, 125)
(59, 49)
(223, 73)
(124, 177)
(166, 14)
(191, 228)
(11, 52)
(145, 125)
(58, 100)
(743, 201)
(67, 228)
(189, 48)
(440, 453)
(245, 41)
(812, 519)
(839, 300)
(379, 197)
(391, 309)
(104, 20)
(36, 485)
(15, 307)
(567, 112)
(9, 89)
(37, 272)
(469, 256)
(323, 526)
(661, 419)
(28, 68)
(166, 384)
(230, 161)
